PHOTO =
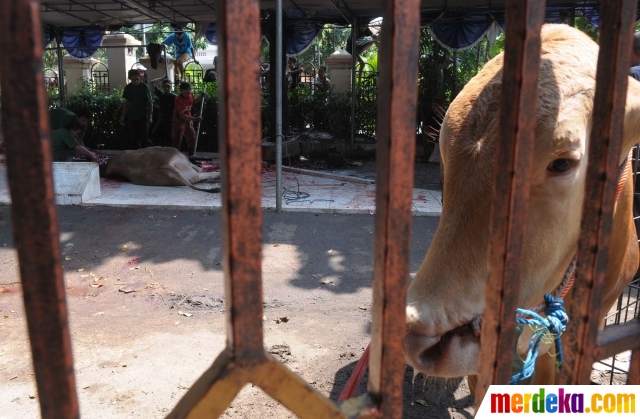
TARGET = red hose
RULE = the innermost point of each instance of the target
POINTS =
(356, 377)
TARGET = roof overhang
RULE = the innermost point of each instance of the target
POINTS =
(66, 13)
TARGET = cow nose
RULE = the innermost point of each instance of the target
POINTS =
(420, 348)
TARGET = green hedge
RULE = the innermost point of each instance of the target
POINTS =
(105, 131)
(320, 111)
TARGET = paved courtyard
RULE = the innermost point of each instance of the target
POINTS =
(347, 191)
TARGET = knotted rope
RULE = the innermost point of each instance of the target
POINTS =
(554, 325)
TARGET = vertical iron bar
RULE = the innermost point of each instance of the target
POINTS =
(395, 157)
(354, 49)
(605, 147)
(62, 93)
(241, 183)
(279, 79)
(35, 224)
(511, 188)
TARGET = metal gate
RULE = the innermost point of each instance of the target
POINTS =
(100, 77)
(244, 360)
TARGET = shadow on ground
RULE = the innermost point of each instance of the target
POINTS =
(422, 397)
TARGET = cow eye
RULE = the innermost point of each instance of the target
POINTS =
(561, 165)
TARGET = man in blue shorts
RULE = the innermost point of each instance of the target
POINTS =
(183, 49)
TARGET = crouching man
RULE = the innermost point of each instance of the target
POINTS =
(64, 142)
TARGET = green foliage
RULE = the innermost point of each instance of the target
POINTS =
(104, 131)
(585, 26)
(50, 59)
(498, 46)
(319, 110)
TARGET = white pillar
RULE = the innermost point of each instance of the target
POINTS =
(120, 60)
(77, 71)
(340, 63)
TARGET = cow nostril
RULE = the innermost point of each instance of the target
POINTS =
(419, 347)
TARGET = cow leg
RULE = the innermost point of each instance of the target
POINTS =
(208, 176)
(196, 168)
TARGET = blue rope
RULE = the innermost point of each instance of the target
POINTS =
(555, 324)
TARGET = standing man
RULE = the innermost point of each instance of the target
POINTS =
(322, 82)
(60, 118)
(183, 49)
(162, 132)
(138, 107)
(211, 75)
(293, 73)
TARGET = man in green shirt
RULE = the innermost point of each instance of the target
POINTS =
(60, 117)
(65, 145)
(138, 108)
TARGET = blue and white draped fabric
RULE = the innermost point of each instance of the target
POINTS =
(212, 34)
(460, 30)
(81, 42)
(299, 34)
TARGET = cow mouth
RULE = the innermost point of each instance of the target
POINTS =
(451, 354)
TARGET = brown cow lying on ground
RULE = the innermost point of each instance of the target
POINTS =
(448, 290)
(158, 166)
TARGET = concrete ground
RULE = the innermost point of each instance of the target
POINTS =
(345, 191)
(131, 272)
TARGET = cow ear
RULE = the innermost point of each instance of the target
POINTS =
(631, 118)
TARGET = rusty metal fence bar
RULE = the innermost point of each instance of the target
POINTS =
(511, 180)
(398, 97)
(605, 146)
(35, 224)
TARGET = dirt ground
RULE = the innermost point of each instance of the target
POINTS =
(130, 273)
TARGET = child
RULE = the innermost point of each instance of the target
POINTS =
(182, 119)
(138, 106)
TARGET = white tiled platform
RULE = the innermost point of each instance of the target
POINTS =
(308, 192)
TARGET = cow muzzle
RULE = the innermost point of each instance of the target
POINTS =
(452, 354)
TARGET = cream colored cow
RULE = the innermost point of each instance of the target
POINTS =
(448, 290)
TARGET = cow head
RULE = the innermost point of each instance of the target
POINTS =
(448, 289)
